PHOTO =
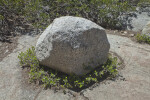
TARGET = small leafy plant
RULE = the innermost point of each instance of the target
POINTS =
(142, 38)
(52, 78)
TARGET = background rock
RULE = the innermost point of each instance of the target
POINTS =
(72, 45)
(136, 20)
(146, 29)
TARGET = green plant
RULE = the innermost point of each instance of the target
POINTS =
(143, 38)
(143, 2)
(53, 78)
(110, 66)
(40, 13)
(28, 58)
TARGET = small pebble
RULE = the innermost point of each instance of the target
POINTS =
(6, 51)
(131, 35)
(125, 32)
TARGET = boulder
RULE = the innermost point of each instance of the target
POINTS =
(146, 29)
(72, 45)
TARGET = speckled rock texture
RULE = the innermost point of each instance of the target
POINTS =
(146, 29)
(136, 20)
(72, 45)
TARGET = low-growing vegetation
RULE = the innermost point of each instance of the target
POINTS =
(19, 15)
(53, 78)
(143, 38)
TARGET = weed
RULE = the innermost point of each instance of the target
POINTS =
(143, 38)
(53, 78)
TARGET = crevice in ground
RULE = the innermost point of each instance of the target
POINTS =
(38, 94)
(129, 45)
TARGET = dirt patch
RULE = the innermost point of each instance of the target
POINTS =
(26, 82)
(126, 33)
(8, 47)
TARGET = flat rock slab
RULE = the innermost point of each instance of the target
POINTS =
(136, 72)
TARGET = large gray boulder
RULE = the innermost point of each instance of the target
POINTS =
(146, 29)
(72, 45)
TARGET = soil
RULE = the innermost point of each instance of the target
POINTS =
(126, 33)
(7, 47)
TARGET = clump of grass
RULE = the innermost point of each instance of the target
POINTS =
(52, 78)
(143, 38)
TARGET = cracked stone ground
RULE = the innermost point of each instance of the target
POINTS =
(136, 74)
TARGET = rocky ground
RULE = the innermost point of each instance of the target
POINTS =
(132, 84)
